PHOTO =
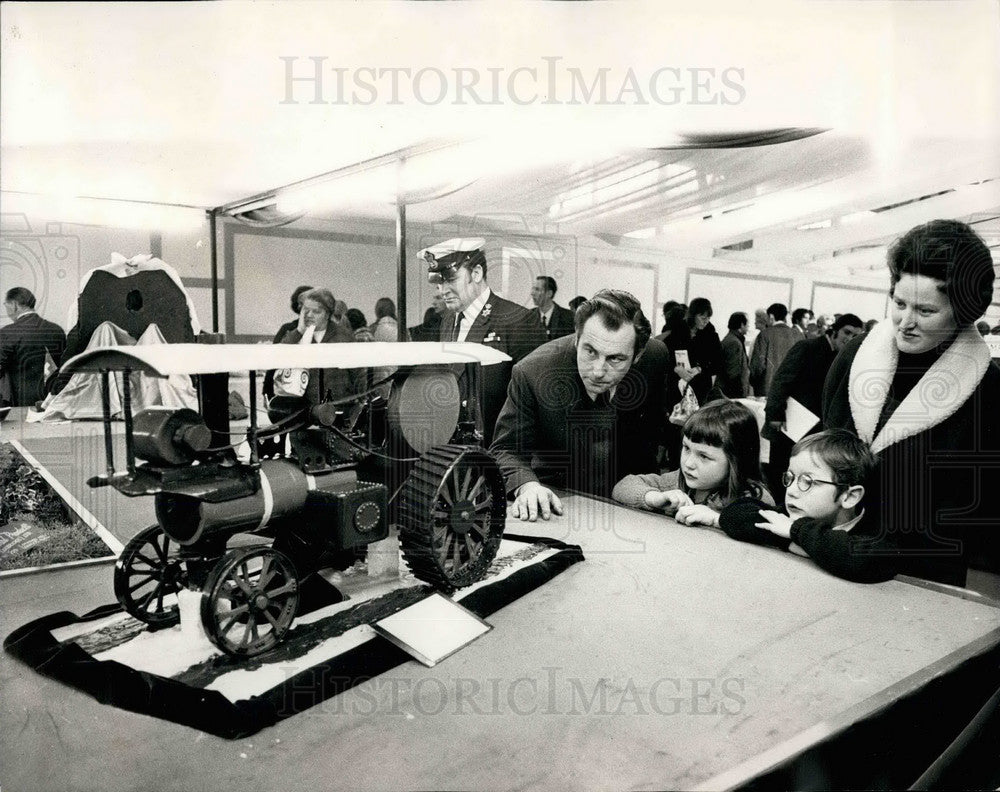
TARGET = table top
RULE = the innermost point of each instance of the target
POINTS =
(673, 657)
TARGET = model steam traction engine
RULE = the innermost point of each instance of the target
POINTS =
(322, 482)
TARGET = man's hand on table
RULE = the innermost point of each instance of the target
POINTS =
(532, 501)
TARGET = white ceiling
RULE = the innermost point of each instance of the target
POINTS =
(182, 104)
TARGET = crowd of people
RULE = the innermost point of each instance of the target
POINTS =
(888, 473)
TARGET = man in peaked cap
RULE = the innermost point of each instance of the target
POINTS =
(478, 315)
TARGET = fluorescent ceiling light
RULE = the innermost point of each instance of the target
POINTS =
(857, 217)
(642, 233)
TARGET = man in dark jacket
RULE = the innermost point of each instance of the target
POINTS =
(23, 346)
(478, 315)
(734, 376)
(770, 348)
(800, 376)
(556, 320)
(582, 410)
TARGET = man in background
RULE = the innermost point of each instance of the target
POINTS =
(801, 317)
(770, 348)
(556, 320)
(475, 313)
(800, 377)
(23, 348)
(734, 378)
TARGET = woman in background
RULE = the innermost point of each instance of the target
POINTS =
(385, 327)
(704, 348)
(316, 321)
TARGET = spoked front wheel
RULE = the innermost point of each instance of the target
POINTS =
(249, 601)
(148, 575)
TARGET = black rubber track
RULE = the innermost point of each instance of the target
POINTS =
(421, 497)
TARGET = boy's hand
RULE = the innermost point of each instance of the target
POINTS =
(777, 523)
(671, 500)
(697, 514)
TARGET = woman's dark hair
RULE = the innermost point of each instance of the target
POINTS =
(384, 307)
(699, 306)
(356, 319)
(297, 297)
(952, 253)
(730, 426)
(615, 308)
(576, 302)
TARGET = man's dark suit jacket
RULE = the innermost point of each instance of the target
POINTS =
(734, 375)
(551, 431)
(560, 322)
(504, 326)
(800, 376)
(769, 350)
(22, 356)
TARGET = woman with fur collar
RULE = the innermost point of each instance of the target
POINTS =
(922, 391)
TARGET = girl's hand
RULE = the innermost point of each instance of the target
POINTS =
(670, 500)
(697, 514)
(301, 327)
(777, 523)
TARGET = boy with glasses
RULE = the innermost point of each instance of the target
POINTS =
(825, 520)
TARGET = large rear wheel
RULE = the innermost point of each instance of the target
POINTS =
(452, 512)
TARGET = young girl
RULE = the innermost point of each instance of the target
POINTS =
(720, 462)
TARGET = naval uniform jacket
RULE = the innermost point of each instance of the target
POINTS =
(504, 326)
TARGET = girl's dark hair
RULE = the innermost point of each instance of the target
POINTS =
(730, 426)
(950, 252)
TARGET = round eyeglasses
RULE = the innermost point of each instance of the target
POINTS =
(803, 481)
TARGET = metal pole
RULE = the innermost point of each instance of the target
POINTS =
(109, 449)
(252, 432)
(215, 270)
(127, 410)
(401, 324)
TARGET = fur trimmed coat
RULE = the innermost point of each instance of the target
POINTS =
(933, 421)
